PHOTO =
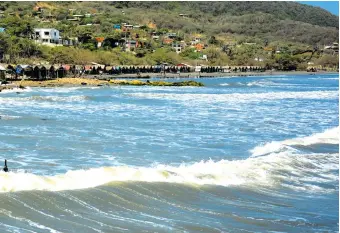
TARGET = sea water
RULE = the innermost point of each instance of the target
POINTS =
(241, 154)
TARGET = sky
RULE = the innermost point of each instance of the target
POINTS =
(331, 6)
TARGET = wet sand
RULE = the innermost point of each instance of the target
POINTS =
(109, 79)
(204, 75)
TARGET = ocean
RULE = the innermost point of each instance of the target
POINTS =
(241, 154)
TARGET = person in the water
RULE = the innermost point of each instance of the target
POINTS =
(5, 169)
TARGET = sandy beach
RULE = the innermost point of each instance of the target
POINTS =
(92, 81)
(204, 75)
(106, 79)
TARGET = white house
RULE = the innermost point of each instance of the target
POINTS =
(177, 47)
(48, 36)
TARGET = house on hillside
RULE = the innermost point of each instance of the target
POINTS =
(259, 59)
(333, 48)
(73, 19)
(152, 25)
(2, 30)
(183, 65)
(199, 46)
(69, 41)
(177, 47)
(184, 15)
(78, 17)
(38, 9)
(196, 40)
(249, 43)
(171, 35)
(155, 35)
(167, 41)
(116, 26)
(127, 27)
(130, 44)
(47, 36)
(99, 41)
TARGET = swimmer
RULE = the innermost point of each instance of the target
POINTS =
(5, 169)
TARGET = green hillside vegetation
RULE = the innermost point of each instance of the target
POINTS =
(281, 35)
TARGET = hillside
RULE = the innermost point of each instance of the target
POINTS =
(282, 10)
(297, 22)
(241, 30)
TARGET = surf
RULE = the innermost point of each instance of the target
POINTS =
(274, 164)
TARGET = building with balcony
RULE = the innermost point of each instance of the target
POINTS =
(47, 36)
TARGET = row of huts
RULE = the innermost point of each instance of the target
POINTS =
(42, 72)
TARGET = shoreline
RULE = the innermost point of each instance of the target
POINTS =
(109, 80)
(203, 75)
(92, 82)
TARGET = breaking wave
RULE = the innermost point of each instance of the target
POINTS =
(60, 98)
(267, 167)
(259, 83)
(237, 97)
(236, 84)
(330, 136)
(39, 98)
(8, 117)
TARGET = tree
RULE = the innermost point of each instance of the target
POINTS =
(163, 55)
(286, 62)
(328, 61)
(60, 55)
(16, 26)
(190, 53)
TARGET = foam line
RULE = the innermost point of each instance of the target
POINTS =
(271, 169)
(330, 136)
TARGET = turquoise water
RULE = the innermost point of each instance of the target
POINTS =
(242, 154)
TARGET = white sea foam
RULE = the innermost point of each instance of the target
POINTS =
(8, 117)
(62, 89)
(74, 98)
(253, 172)
(276, 166)
(261, 83)
(330, 136)
(323, 78)
(239, 97)
(22, 101)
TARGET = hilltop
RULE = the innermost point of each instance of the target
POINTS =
(217, 33)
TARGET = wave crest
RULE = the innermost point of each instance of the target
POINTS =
(277, 167)
(59, 98)
(266, 171)
(330, 136)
